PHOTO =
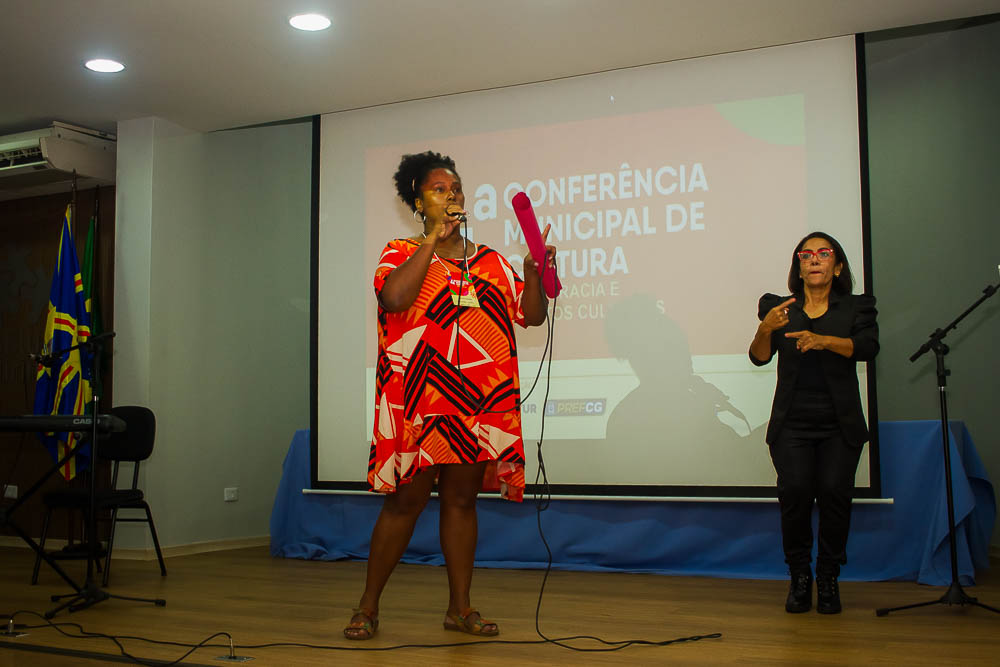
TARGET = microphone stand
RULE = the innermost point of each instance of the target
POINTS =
(935, 342)
(90, 593)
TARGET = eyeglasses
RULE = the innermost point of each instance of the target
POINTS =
(822, 253)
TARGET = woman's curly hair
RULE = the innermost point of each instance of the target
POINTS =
(413, 170)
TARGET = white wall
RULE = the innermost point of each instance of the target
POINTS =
(211, 293)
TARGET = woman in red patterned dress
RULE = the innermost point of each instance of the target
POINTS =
(446, 388)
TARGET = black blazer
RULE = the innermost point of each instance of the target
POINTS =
(848, 316)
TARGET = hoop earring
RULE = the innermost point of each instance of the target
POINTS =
(422, 219)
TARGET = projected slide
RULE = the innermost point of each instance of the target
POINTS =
(674, 193)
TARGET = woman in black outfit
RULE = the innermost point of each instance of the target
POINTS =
(817, 428)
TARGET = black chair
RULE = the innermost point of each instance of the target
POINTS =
(135, 445)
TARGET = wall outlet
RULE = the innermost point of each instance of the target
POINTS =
(231, 494)
(10, 491)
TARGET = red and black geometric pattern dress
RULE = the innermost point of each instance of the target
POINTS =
(447, 393)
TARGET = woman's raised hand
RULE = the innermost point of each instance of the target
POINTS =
(777, 317)
(531, 266)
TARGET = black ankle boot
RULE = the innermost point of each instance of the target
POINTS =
(827, 594)
(799, 592)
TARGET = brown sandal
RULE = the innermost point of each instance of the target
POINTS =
(462, 623)
(363, 624)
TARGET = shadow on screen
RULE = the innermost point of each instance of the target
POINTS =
(673, 410)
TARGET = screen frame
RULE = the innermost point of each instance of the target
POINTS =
(612, 491)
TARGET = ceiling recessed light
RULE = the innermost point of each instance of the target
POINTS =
(104, 65)
(310, 22)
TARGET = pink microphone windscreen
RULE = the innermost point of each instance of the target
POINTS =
(533, 237)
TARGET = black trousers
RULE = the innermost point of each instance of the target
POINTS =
(814, 463)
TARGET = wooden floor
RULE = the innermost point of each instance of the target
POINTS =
(259, 600)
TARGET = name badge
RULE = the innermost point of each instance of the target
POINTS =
(467, 297)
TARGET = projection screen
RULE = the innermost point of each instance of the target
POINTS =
(675, 193)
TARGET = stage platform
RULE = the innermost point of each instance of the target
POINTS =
(904, 540)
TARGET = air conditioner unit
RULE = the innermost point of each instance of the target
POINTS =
(44, 161)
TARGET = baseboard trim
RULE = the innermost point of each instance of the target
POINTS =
(204, 547)
(15, 541)
(150, 553)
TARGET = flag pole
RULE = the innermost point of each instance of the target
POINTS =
(97, 217)
(73, 204)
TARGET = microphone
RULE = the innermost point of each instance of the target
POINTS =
(533, 237)
(51, 358)
(457, 214)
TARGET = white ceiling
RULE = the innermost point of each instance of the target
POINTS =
(213, 64)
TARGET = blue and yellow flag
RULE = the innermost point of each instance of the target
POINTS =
(64, 387)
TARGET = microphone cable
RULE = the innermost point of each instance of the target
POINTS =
(230, 646)
(543, 494)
